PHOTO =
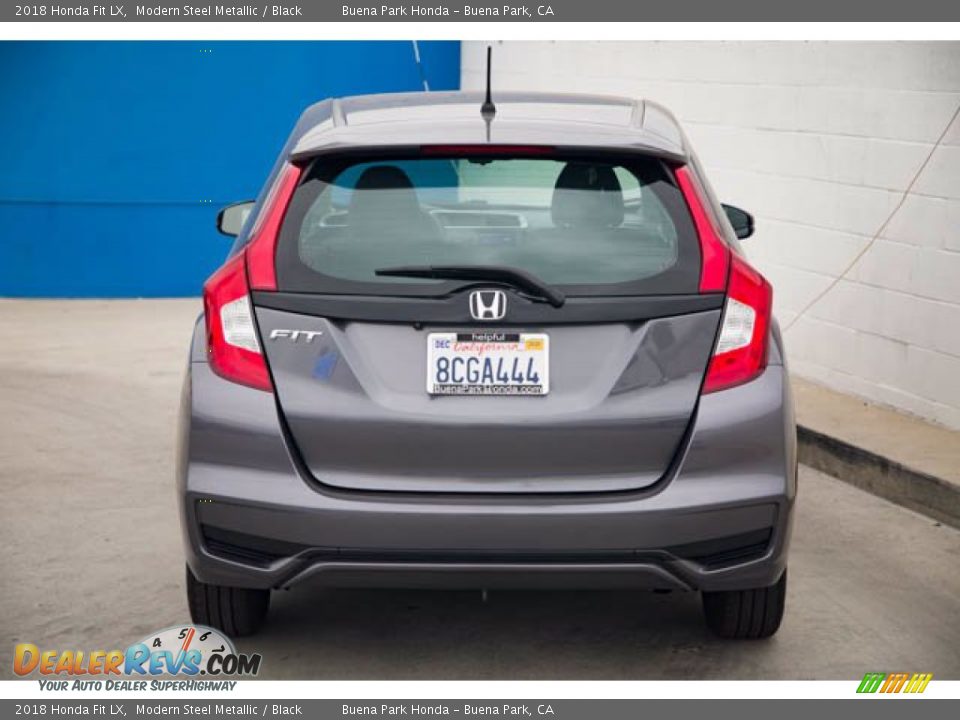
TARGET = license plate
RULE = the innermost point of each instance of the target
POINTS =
(488, 363)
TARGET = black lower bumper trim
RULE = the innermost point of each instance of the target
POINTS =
(262, 552)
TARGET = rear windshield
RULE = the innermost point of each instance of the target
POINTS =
(587, 226)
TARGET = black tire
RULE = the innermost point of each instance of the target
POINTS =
(235, 611)
(746, 614)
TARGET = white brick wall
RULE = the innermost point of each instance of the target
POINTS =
(821, 141)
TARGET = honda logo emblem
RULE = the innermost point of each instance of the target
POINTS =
(488, 304)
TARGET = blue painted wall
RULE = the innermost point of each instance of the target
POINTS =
(116, 156)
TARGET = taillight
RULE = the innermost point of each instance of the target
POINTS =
(262, 248)
(232, 345)
(741, 351)
(714, 253)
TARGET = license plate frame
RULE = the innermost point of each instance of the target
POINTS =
(492, 363)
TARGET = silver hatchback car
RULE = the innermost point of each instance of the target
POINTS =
(516, 348)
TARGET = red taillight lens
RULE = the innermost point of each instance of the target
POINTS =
(741, 352)
(232, 344)
(262, 248)
(714, 253)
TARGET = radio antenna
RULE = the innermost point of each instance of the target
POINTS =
(488, 111)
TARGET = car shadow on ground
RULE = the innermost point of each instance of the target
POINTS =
(318, 633)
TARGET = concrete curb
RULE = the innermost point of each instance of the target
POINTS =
(919, 491)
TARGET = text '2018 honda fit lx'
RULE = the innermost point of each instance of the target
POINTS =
(511, 348)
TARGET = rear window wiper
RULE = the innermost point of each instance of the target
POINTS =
(519, 279)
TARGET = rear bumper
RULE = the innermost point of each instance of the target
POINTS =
(721, 520)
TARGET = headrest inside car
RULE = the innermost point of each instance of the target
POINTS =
(384, 193)
(587, 195)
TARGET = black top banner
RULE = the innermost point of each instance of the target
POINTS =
(485, 11)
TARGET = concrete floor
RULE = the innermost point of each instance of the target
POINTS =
(92, 555)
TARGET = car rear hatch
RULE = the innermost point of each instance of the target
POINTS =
(494, 320)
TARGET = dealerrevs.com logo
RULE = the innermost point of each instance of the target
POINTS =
(180, 651)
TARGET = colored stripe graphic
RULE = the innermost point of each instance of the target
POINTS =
(871, 682)
(918, 683)
(894, 682)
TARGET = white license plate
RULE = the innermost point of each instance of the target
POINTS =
(488, 363)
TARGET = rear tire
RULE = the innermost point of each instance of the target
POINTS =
(746, 614)
(234, 611)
